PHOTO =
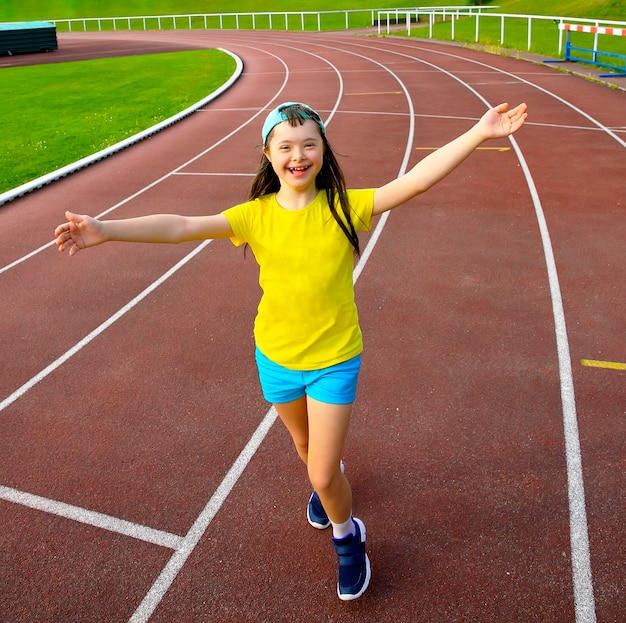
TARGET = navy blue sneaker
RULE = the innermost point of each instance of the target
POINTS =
(354, 565)
(316, 514)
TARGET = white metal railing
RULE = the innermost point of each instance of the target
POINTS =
(410, 16)
(349, 18)
(407, 15)
(280, 20)
(272, 20)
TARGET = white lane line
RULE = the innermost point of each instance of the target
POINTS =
(584, 601)
(26, 257)
(91, 518)
(140, 192)
(168, 574)
(565, 102)
(18, 393)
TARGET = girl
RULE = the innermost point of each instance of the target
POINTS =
(302, 226)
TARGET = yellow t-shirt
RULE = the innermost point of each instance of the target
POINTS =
(307, 318)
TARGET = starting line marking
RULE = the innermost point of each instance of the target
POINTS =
(613, 365)
(92, 518)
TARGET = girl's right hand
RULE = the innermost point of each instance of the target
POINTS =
(80, 232)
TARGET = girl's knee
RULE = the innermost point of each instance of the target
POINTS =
(323, 477)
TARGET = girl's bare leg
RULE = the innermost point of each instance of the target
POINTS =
(327, 428)
(318, 431)
(295, 417)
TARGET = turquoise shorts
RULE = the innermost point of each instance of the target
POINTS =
(333, 385)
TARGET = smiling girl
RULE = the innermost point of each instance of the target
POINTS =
(302, 226)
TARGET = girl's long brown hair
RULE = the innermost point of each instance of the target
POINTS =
(330, 178)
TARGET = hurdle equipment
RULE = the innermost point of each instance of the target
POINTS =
(594, 52)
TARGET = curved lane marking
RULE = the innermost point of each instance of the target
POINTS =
(584, 600)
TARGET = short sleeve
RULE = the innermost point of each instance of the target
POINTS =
(362, 208)
(236, 217)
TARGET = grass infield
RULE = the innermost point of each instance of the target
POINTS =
(56, 114)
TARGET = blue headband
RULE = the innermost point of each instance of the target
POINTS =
(278, 116)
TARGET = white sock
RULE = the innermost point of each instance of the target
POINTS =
(342, 530)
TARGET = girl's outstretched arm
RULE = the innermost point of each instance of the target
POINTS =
(497, 122)
(81, 231)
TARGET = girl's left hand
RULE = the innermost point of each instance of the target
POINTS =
(500, 121)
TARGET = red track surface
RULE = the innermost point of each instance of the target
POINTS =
(461, 448)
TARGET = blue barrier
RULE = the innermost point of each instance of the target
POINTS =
(595, 53)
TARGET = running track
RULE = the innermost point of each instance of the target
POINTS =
(142, 477)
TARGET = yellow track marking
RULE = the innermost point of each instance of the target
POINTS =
(613, 365)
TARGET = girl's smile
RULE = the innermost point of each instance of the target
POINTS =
(298, 171)
(296, 154)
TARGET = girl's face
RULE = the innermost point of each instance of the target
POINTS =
(296, 153)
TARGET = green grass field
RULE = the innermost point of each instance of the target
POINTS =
(62, 112)
(97, 103)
